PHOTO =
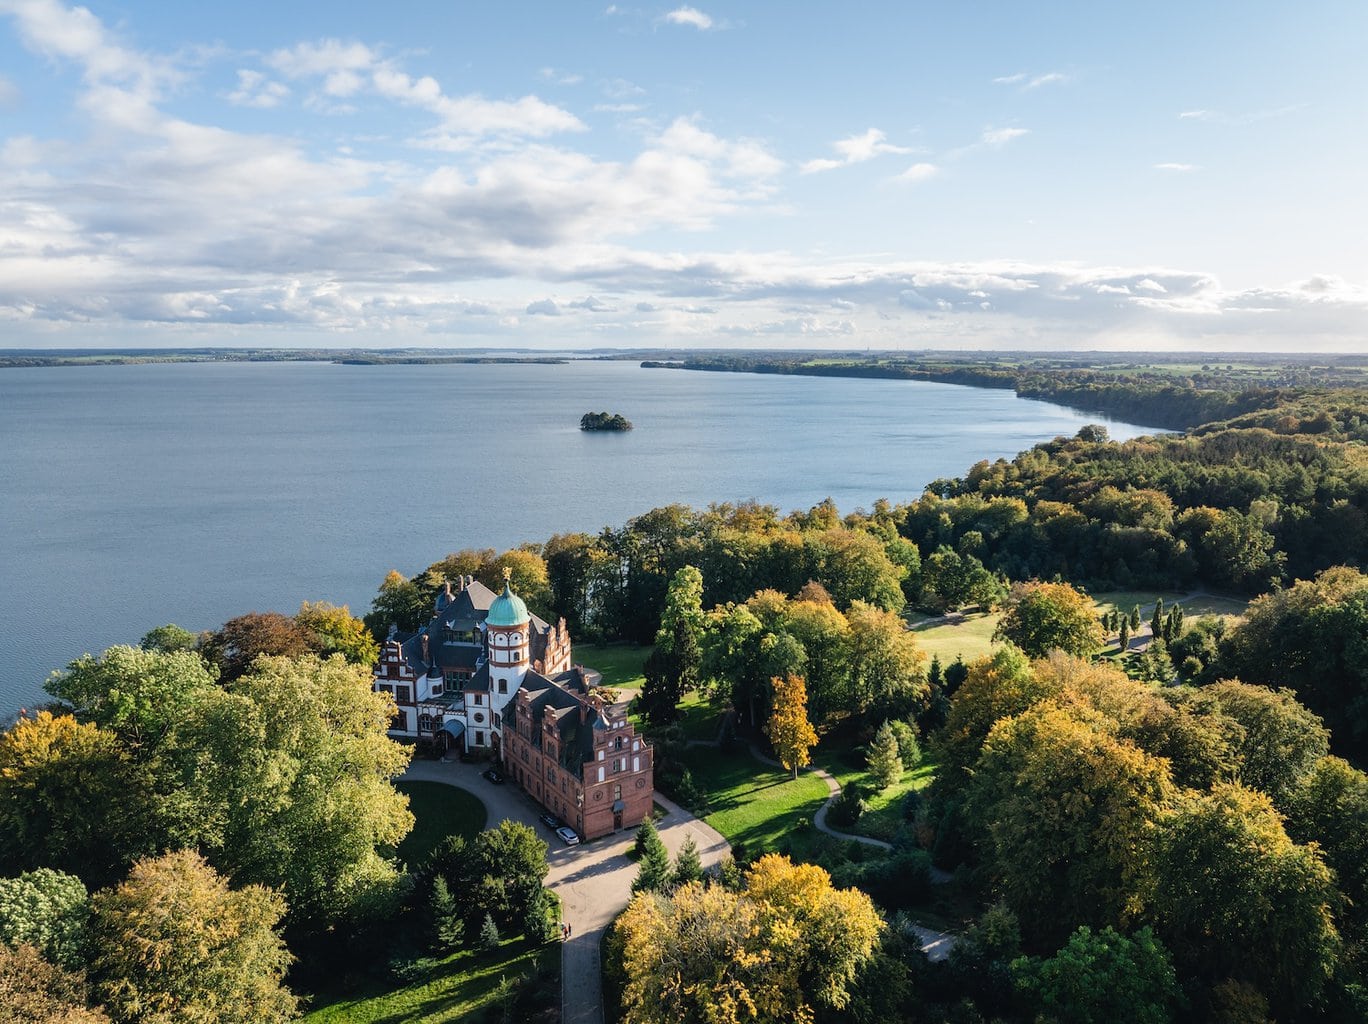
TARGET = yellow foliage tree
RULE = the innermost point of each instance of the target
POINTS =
(767, 954)
(790, 732)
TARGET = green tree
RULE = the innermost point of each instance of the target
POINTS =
(994, 687)
(70, 799)
(1042, 617)
(45, 909)
(447, 927)
(653, 865)
(169, 638)
(499, 872)
(173, 944)
(790, 732)
(1103, 978)
(673, 667)
(1062, 810)
(909, 748)
(34, 991)
(337, 631)
(399, 602)
(1134, 619)
(885, 760)
(885, 663)
(136, 694)
(1234, 897)
(688, 865)
(1279, 741)
(489, 933)
(289, 773)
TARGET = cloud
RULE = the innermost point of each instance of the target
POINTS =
(591, 304)
(345, 70)
(1027, 82)
(1250, 117)
(918, 172)
(854, 150)
(256, 90)
(1176, 167)
(560, 77)
(996, 138)
(543, 307)
(690, 16)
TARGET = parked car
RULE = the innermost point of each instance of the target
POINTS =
(493, 775)
(568, 835)
(550, 821)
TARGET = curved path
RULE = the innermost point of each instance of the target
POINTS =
(593, 880)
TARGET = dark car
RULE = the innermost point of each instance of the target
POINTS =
(550, 821)
(493, 775)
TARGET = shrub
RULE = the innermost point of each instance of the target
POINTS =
(847, 808)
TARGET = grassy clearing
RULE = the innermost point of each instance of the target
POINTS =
(468, 986)
(620, 664)
(699, 719)
(753, 803)
(439, 810)
(968, 636)
(884, 816)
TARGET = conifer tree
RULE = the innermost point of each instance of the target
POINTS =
(448, 929)
(489, 933)
(688, 865)
(1124, 634)
(654, 873)
(790, 732)
(1157, 621)
(885, 760)
(1135, 618)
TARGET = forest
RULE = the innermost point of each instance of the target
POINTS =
(1177, 838)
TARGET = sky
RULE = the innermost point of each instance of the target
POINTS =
(562, 175)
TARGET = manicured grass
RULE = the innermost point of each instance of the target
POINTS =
(884, 816)
(699, 719)
(463, 987)
(620, 664)
(1204, 604)
(753, 803)
(969, 636)
(439, 810)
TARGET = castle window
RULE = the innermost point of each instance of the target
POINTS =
(618, 764)
(503, 685)
(617, 791)
(618, 744)
(403, 695)
(498, 719)
(437, 689)
(425, 723)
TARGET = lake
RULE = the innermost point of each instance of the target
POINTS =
(132, 496)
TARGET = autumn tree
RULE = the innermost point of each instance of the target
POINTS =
(70, 799)
(1062, 809)
(1279, 741)
(240, 641)
(785, 944)
(885, 663)
(1042, 617)
(173, 944)
(790, 732)
(337, 631)
(1235, 898)
(34, 991)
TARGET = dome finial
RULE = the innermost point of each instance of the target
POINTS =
(508, 576)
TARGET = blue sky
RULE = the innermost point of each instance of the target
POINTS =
(553, 175)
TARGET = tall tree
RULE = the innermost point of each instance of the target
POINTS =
(885, 759)
(240, 641)
(337, 631)
(1234, 897)
(1042, 617)
(790, 732)
(1279, 741)
(673, 667)
(173, 944)
(653, 865)
(688, 865)
(45, 909)
(1103, 978)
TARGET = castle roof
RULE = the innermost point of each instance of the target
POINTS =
(508, 609)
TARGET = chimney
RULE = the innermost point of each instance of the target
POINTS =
(447, 591)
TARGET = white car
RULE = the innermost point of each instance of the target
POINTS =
(568, 835)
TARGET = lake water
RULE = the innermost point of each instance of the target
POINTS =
(132, 496)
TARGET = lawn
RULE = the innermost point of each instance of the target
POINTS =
(752, 803)
(884, 816)
(439, 810)
(699, 718)
(620, 664)
(464, 987)
(969, 636)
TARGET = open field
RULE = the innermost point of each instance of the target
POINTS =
(620, 664)
(439, 810)
(466, 987)
(753, 803)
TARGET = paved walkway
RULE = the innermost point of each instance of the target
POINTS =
(593, 880)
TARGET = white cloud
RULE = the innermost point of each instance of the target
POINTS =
(1176, 167)
(996, 138)
(918, 172)
(256, 90)
(854, 150)
(690, 16)
(543, 307)
(1025, 81)
(1250, 117)
(560, 77)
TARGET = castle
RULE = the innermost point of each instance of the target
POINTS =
(487, 675)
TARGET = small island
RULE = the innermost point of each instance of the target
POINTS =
(604, 421)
